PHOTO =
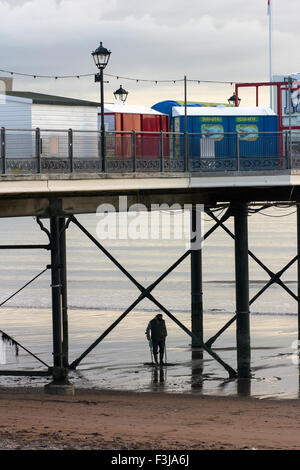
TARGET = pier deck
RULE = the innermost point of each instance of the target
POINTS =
(36, 194)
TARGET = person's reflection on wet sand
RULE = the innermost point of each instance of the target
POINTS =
(158, 376)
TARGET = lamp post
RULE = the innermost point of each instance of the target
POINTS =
(121, 94)
(101, 57)
(232, 99)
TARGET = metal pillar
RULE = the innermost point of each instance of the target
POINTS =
(186, 143)
(242, 290)
(56, 288)
(298, 268)
(298, 290)
(102, 121)
(196, 287)
(197, 369)
(244, 387)
(60, 384)
(64, 297)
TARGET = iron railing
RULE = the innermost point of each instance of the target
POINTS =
(29, 151)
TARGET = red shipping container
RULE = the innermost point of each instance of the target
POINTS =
(147, 124)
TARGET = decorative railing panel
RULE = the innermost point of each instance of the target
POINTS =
(119, 165)
(262, 163)
(20, 165)
(55, 165)
(173, 164)
(86, 165)
(296, 162)
(213, 164)
(148, 164)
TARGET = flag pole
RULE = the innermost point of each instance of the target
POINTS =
(270, 50)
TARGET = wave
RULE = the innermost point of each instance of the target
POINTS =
(212, 311)
(256, 281)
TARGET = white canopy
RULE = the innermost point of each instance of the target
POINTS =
(128, 109)
(222, 111)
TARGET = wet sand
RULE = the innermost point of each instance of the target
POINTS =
(127, 420)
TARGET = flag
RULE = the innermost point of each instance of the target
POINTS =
(269, 6)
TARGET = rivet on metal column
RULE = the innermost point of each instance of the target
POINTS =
(242, 290)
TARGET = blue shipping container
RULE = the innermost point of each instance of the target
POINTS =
(219, 133)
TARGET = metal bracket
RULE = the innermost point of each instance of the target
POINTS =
(44, 229)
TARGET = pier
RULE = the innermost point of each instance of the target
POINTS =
(57, 175)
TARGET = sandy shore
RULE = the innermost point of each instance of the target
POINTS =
(29, 419)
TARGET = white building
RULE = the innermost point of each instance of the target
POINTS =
(53, 115)
(16, 113)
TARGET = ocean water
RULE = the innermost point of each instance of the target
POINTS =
(98, 293)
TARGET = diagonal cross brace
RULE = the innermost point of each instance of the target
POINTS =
(145, 292)
(10, 297)
(275, 278)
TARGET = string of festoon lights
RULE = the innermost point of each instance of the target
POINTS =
(117, 77)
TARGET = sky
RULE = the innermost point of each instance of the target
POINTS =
(157, 40)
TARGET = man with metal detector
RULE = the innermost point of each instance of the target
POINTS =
(156, 335)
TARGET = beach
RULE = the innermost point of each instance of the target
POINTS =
(127, 420)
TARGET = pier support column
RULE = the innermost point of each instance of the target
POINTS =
(242, 290)
(298, 267)
(64, 296)
(60, 384)
(196, 283)
(197, 369)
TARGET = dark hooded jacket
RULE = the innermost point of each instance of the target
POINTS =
(156, 330)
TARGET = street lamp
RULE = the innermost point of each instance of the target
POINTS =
(121, 94)
(232, 99)
(101, 57)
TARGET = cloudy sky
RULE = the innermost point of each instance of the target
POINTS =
(158, 39)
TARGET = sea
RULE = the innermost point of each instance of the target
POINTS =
(98, 293)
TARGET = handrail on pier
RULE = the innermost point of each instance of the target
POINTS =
(30, 151)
